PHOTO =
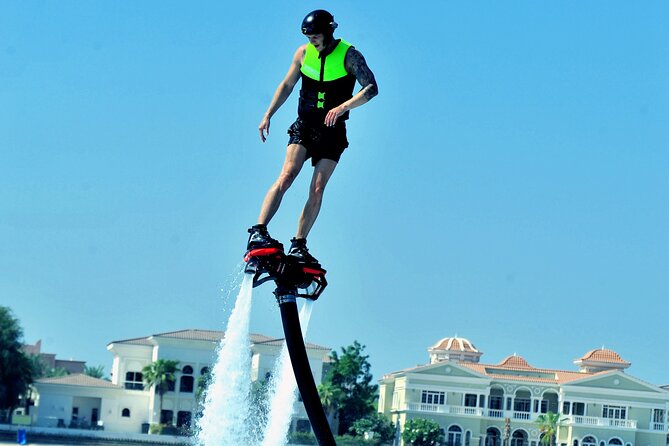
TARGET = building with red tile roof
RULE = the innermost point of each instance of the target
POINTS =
(477, 403)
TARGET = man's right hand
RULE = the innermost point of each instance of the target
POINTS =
(263, 128)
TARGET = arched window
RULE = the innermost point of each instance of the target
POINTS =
(454, 436)
(615, 442)
(575, 442)
(125, 413)
(468, 438)
(493, 437)
(204, 370)
(519, 438)
(496, 399)
(186, 384)
(187, 370)
(589, 441)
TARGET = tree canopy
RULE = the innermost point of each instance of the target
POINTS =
(422, 432)
(160, 374)
(379, 425)
(549, 423)
(16, 371)
(346, 389)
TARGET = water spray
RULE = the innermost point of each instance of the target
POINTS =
(294, 280)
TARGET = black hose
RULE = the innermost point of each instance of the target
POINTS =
(303, 375)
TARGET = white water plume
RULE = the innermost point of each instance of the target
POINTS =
(226, 406)
(282, 392)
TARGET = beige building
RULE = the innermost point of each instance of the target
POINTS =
(480, 404)
(123, 405)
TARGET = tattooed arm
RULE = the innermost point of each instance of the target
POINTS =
(355, 64)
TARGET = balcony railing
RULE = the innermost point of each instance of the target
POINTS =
(438, 408)
(596, 421)
(524, 416)
(521, 415)
(659, 426)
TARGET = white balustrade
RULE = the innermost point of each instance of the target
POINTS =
(596, 421)
(438, 408)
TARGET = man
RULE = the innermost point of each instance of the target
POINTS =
(328, 68)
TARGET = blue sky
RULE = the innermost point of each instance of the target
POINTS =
(508, 185)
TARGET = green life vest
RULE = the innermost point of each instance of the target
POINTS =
(325, 82)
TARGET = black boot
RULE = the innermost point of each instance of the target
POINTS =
(260, 238)
(298, 250)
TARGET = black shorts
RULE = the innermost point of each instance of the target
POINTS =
(321, 142)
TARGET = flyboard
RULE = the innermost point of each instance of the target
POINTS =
(293, 280)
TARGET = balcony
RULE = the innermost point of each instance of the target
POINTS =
(471, 411)
(439, 408)
(596, 421)
(658, 426)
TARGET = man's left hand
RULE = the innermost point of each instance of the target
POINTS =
(331, 117)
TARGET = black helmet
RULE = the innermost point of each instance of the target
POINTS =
(319, 22)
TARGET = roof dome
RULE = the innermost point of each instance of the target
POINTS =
(603, 355)
(455, 344)
(454, 349)
(601, 359)
(516, 362)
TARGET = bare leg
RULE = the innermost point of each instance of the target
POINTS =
(322, 173)
(295, 157)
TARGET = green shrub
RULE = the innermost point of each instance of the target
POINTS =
(348, 440)
(302, 438)
(156, 429)
(422, 432)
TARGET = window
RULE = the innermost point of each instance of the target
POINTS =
(658, 415)
(454, 436)
(125, 413)
(468, 438)
(565, 408)
(615, 412)
(431, 397)
(186, 384)
(482, 401)
(183, 419)
(495, 402)
(544, 406)
(521, 404)
(493, 437)
(578, 408)
(166, 417)
(187, 370)
(133, 381)
(470, 400)
(508, 403)
(518, 439)
(615, 442)
(589, 441)
(204, 370)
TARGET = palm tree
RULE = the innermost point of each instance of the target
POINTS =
(549, 423)
(330, 396)
(160, 374)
